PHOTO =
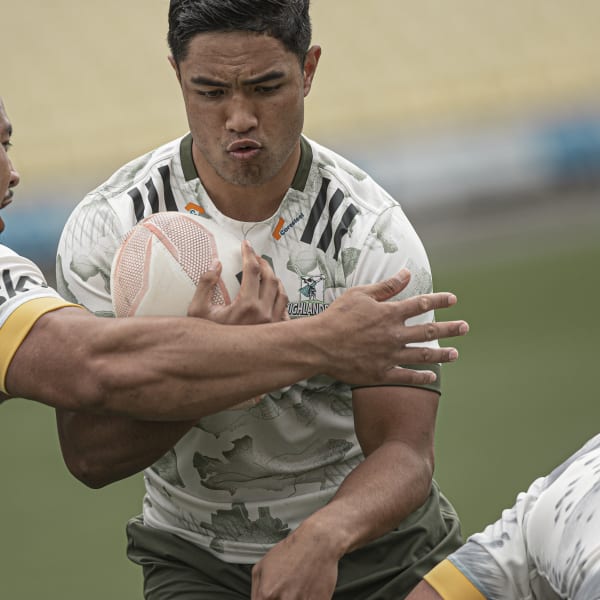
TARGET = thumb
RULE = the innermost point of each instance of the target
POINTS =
(201, 303)
(388, 288)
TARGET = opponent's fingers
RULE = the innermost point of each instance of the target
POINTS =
(201, 303)
(418, 305)
(428, 332)
(400, 375)
(423, 355)
(388, 288)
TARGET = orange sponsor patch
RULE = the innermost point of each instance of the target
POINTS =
(277, 230)
(195, 209)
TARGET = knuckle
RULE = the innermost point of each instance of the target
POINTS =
(424, 303)
(431, 332)
(426, 354)
(254, 268)
(389, 286)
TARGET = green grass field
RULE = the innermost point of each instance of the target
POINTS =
(521, 399)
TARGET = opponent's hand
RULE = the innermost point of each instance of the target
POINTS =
(261, 299)
(296, 569)
(370, 336)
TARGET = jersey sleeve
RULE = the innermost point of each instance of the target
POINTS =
(449, 582)
(24, 298)
(86, 248)
(494, 563)
(393, 244)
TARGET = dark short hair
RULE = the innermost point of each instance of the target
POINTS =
(286, 20)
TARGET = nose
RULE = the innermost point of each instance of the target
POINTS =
(241, 115)
(15, 178)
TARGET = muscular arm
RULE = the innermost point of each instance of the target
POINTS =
(395, 427)
(99, 450)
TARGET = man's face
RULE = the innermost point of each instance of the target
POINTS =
(244, 98)
(9, 177)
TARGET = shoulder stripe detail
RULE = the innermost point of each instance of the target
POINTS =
(19, 324)
(334, 204)
(153, 195)
(315, 213)
(138, 203)
(343, 227)
(165, 174)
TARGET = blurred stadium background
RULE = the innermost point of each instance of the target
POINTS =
(483, 118)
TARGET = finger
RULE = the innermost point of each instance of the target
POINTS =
(269, 283)
(425, 356)
(202, 300)
(418, 305)
(255, 583)
(399, 375)
(433, 331)
(250, 285)
(388, 288)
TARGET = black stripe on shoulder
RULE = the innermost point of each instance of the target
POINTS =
(342, 229)
(334, 204)
(138, 203)
(315, 213)
(152, 196)
(165, 174)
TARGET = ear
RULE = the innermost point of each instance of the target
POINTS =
(310, 67)
(175, 68)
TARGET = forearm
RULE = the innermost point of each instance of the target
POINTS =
(372, 500)
(384, 489)
(99, 450)
(166, 369)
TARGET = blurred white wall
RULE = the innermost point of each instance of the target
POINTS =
(469, 101)
(88, 86)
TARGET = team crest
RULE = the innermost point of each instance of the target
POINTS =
(311, 296)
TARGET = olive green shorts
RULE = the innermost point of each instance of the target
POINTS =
(386, 569)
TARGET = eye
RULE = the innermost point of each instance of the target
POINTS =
(211, 93)
(267, 89)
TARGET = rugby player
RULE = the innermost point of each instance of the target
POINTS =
(545, 547)
(321, 488)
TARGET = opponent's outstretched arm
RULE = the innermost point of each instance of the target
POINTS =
(183, 368)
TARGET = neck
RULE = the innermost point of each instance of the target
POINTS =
(250, 203)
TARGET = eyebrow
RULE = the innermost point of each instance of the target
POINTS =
(200, 80)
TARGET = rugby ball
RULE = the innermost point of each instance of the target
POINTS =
(156, 269)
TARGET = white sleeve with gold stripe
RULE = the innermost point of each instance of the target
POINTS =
(24, 298)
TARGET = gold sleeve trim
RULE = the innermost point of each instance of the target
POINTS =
(451, 584)
(19, 324)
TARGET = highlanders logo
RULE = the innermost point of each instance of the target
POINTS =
(311, 299)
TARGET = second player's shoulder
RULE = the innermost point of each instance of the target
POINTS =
(9, 259)
(21, 280)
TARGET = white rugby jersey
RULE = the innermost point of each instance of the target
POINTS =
(24, 298)
(243, 478)
(546, 547)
